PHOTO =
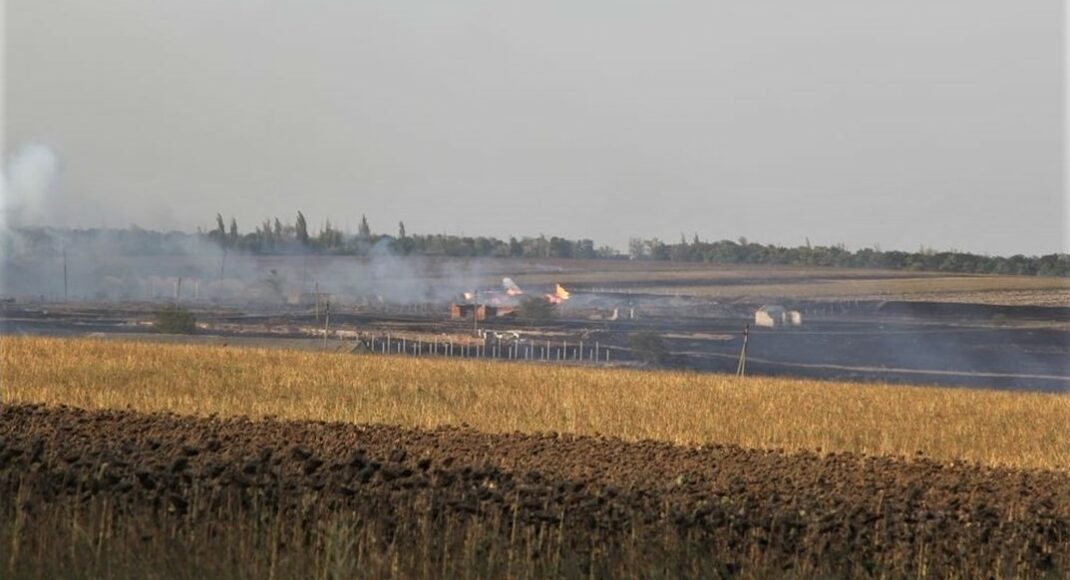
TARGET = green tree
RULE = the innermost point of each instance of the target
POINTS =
(277, 284)
(648, 347)
(636, 248)
(174, 319)
(301, 229)
(220, 231)
(536, 309)
(364, 231)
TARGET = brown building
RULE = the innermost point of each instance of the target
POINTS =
(463, 311)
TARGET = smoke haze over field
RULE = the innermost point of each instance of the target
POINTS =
(897, 123)
(27, 186)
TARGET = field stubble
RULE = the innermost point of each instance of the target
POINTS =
(1019, 430)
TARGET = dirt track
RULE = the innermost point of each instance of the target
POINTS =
(844, 512)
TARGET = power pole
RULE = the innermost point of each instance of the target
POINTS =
(741, 368)
(222, 268)
(64, 274)
(475, 312)
(326, 323)
(317, 301)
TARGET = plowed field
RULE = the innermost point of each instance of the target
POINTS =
(453, 500)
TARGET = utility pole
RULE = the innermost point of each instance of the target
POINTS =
(326, 323)
(65, 274)
(475, 312)
(222, 269)
(741, 369)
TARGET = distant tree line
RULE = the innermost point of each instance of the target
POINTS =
(925, 259)
(274, 237)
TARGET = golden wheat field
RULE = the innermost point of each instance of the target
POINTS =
(1026, 430)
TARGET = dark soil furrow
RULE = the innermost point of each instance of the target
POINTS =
(847, 512)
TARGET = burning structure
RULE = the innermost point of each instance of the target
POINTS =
(511, 295)
(481, 311)
(504, 302)
(559, 296)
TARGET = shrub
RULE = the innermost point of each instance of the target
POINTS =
(648, 347)
(174, 319)
(536, 309)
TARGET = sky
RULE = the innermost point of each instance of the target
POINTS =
(897, 124)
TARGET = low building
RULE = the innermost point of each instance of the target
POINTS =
(464, 311)
(772, 316)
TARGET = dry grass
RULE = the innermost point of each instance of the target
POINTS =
(995, 428)
(984, 289)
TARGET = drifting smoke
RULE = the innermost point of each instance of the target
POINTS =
(511, 288)
(25, 190)
(40, 261)
(26, 187)
(138, 265)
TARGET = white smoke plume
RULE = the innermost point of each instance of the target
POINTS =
(27, 181)
(27, 186)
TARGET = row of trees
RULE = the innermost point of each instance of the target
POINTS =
(745, 252)
(275, 237)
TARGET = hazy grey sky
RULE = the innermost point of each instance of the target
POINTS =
(935, 122)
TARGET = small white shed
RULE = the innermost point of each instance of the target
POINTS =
(773, 315)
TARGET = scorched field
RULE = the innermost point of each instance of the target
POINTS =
(136, 460)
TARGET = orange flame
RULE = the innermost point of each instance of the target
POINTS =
(559, 295)
(511, 289)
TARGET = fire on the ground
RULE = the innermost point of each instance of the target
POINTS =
(508, 298)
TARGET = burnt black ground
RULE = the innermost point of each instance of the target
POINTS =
(918, 343)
